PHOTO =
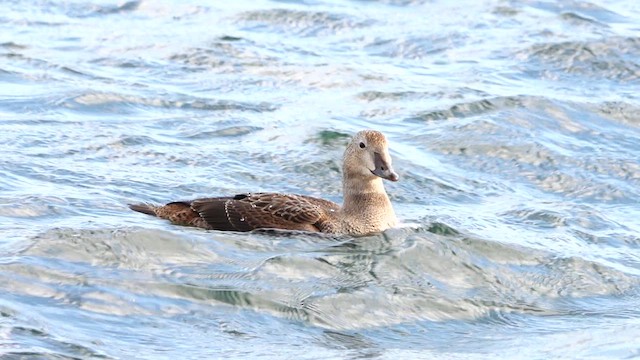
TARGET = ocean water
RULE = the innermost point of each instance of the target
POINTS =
(514, 127)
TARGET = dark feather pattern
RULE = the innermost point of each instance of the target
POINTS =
(250, 211)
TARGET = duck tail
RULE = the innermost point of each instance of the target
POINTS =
(144, 208)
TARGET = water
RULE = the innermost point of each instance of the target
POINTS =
(514, 126)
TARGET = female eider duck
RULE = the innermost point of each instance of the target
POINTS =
(366, 208)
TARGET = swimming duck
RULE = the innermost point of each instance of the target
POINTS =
(366, 207)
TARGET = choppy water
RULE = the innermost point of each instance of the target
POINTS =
(514, 126)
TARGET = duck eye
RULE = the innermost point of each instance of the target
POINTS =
(362, 146)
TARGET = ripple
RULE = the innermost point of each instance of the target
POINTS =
(119, 103)
(231, 131)
(415, 47)
(611, 58)
(588, 11)
(96, 10)
(10, 45)
(475, 108)
(622, 112)
(301, 23)
(32, 206)
(538, 218)
(216, 55)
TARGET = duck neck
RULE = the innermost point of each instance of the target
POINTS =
(363, 194)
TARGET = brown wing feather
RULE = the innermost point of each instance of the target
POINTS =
(214, 212)
(245, 212)
(180, 213)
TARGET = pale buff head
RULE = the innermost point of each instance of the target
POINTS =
(367, 156)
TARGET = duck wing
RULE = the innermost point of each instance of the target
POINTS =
(246, 212)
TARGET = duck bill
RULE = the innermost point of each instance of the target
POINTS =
(383, 168)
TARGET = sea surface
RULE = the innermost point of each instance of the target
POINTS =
(514, 127)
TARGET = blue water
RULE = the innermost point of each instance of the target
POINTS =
(514, 126)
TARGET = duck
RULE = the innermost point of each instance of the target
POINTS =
(365, 209)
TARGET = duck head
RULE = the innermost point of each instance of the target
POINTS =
(367, 155)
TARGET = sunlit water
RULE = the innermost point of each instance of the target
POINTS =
(514, 126)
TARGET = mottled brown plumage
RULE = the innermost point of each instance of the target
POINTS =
(366, 207)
